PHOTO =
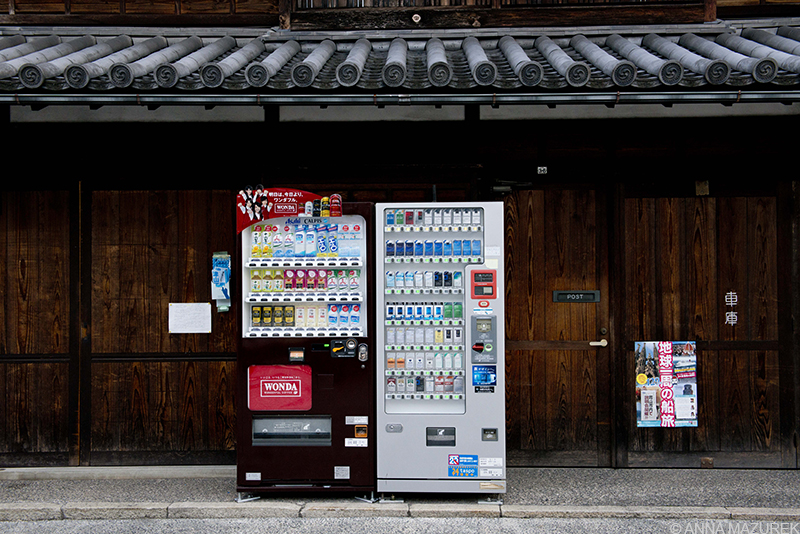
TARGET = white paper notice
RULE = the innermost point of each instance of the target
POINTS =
(187, 318)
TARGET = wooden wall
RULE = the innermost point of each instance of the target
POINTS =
(156, 394)
(673, 261)
(35, 314)
(683, 256)
(90, 374)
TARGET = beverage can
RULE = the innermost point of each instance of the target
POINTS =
(267, 281)
(354, 276)
(299, 241)
(277, 281)
(288, 241)
(266, 316)
(289, 280)
(266, 241)
(311, 279)
(336, 205)
(255, 242)
(255, 281)
(277, 243)
(333, 315)
(330, 280)
(311, 242)
(333, 243)
(288, 315)
(322, 239)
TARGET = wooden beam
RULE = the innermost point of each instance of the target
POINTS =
(404, 18)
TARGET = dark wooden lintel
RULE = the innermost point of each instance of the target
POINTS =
(403, 18)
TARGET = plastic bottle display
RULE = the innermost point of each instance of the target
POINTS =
(306, 276)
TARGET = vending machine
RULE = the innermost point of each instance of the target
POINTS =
(305, 362)
(440, 338)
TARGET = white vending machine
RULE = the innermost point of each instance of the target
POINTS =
(441, 368)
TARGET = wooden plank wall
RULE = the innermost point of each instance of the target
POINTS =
(147, 396)
(557, 385)
(683, 255)
(152, 391)
(34, 338)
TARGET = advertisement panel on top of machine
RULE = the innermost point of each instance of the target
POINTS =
(440, 338)
(305, 361)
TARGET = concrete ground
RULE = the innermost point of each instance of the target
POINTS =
(209, 492)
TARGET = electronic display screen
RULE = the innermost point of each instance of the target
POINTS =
(483, 277)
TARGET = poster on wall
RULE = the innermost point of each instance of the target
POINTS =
(666, 383)
(257, 203)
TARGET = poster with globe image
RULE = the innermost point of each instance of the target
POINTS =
(666, 383)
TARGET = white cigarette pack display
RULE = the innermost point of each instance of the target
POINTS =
(440, 384)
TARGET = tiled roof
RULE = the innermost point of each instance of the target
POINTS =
(713, 56)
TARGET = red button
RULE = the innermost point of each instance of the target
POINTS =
(484, 304)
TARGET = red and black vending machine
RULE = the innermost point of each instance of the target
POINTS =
(305, 362)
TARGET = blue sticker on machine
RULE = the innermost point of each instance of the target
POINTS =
(484, 375)
(462, 465)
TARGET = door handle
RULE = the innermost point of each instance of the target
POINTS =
(601, 343)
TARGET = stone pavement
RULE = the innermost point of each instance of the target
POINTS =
(206, 492)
